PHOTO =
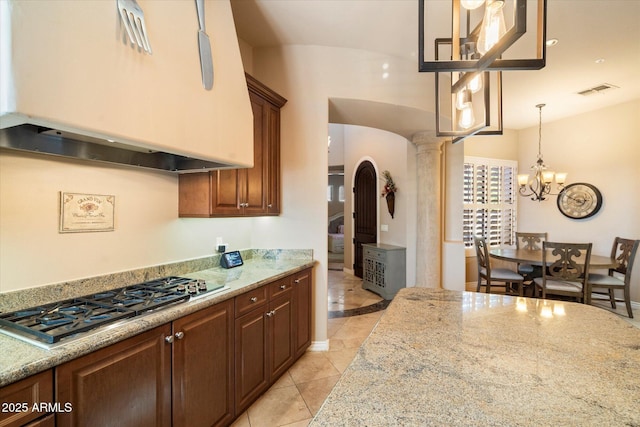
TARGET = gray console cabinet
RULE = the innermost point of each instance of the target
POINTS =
(384, 269)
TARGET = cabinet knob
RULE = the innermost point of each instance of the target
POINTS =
(296, 281)
(179, 335)
(169, 339)
(283, 286)
(254, 299)
(269, 205)
(271, 313)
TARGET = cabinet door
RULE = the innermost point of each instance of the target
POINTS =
(251, 369)
(281, 348)
(302, 304)
(194, 191)
(22, 395)
(254, 180)
(273, 152)
(125, 384)
(227, 192)
(203, 367)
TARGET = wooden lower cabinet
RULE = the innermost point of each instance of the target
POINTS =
(265, 341)
(125, 384)
(203, 367)
(18, 400)
(48, 421)
(301, 284)
(251, 368)
(178, 374)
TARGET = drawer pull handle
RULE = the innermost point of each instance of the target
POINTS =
(254, 299)
(179, 335)
(283, 286)
(296, 281)
(169, 339)
(271, 313)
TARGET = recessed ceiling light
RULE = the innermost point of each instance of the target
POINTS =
(599, 60)
(552, 42)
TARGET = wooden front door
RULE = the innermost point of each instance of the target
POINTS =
(365, 212)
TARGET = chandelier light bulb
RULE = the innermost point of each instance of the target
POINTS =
(547, 177)
(561, 177)
(493, 27)
(463, 98)
(467, 117)
(523, 180)
(471, 4)
(475, 84)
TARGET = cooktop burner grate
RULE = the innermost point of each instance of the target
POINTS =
(49, 323)
(52, 322)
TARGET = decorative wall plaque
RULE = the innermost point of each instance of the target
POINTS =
(81, 213)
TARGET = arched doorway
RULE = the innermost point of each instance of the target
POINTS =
(365, 211)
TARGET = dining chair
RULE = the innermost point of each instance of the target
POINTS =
(506, 277)
(567, 269)
(624, 252)
(532, 242)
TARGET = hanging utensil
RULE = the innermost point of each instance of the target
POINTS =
(133, 21)
(206, 62)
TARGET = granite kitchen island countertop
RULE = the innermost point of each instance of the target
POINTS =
(441, 357)
(19, 359)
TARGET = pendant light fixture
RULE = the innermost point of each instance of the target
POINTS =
(539, 186)
(472, 56)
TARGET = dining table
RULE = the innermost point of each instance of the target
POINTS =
(534, 257)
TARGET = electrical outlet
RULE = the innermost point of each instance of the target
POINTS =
(384, 227)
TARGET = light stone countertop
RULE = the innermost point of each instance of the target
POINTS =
(19, 359)
(441, 357)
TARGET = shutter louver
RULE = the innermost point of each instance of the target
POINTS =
(489, 201)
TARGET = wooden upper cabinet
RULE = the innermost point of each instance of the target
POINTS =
(242, 192)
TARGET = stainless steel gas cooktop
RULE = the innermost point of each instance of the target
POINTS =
(50, 323)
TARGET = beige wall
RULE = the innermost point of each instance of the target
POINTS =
(147, 228)
(386, 151)
(600, 148)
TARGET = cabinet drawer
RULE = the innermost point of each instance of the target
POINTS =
(22, 395)
(250, 300)
(280, 287)
(374, 254)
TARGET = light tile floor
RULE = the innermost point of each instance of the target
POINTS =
(297, 396)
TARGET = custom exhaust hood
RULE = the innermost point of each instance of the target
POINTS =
(73, 85)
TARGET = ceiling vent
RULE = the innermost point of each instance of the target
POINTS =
(601, 88)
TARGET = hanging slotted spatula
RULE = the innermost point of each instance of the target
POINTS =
(206, 62)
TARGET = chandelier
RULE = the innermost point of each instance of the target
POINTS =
(469, 60)
(539, 185)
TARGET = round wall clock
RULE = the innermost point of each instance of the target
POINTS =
(579, 200)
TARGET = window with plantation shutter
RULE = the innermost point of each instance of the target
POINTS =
(489, 200)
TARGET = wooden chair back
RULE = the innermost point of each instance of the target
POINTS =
(624, 251)
(567, 261)
(530, 241)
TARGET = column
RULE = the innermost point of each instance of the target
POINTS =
(429, 216)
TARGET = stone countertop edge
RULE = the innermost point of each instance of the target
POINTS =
(19, 359)
(441, 357)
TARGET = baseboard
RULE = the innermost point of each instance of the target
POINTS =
(348, 270)
(319, 346)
